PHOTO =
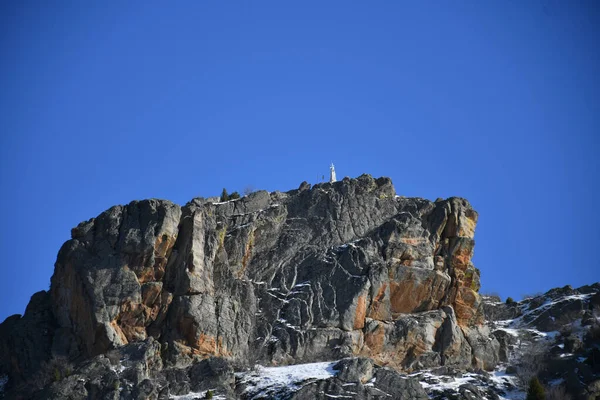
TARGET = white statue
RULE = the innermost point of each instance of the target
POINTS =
(332, 174)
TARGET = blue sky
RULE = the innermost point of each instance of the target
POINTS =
(495, 101)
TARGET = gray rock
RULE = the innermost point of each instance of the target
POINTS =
(26, 342)
(391, 383)
(178, 381)
(141, 360)
(70, 388)
(213, 373)
(145, 390)
(318, 273)
(96, 288)
(500, 311)
(485, 347)
(355, 370)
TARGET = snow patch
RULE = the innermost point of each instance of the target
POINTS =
(434, 383)
(510, 331)
(257, 282)
(509, 384)
(118, 368)
(301, 284)
(443, 385)
(349, 244)
(565, 355)
(547, 335)
(218, 203)
(266, 380)
(556, 382)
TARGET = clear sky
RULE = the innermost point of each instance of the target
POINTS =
(102, 103)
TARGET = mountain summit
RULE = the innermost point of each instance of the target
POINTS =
(153, 300)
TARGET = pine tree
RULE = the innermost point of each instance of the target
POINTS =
(224, 195)
(536, 390)
(234, 195)
(209, 394)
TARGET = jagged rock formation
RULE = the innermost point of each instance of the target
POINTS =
(555, 335)
(318, 273)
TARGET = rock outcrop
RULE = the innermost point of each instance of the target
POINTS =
(318, 273)
(555, 335)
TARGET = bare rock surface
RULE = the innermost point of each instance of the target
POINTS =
(320, 273)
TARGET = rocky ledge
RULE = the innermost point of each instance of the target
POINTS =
(344, 269)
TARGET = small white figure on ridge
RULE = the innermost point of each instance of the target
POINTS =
(332, 174)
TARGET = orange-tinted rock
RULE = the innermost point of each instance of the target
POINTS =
(361, 311)
(379, 309)
(132, 321)
(205, 345)
(375, 337)
(461, 220)
(406, 289)
(461, 251)
(406, 342)
(467, 307)
(150, 293)
(119, 332)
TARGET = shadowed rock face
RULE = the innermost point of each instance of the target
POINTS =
(314, 273)
(25, 342)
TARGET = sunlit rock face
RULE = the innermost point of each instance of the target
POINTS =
(317, 273)
(306, 274)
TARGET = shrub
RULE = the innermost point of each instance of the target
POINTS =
(248, 190)
(53, 370)
(209, 394)
(226, 197)
(510, 300)
(536, 390)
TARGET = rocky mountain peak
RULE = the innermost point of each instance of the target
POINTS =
(318, 273)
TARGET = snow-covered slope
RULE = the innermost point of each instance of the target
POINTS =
(555, 336)
(265, 382)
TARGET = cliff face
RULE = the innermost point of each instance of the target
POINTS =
(338, 269)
